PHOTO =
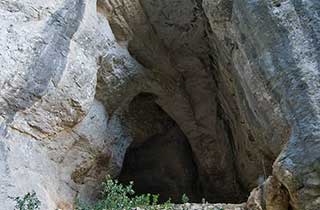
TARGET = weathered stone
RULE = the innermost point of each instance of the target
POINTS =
(278, 41)
(238, 79)
(271, 195)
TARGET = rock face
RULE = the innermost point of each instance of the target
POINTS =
(217, 95)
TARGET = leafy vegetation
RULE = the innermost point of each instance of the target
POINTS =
(184, 198)
(28, 202)
(116, 196)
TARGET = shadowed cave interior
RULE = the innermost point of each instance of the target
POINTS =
(160, 159)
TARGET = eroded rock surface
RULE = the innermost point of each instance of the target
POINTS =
(237, 79)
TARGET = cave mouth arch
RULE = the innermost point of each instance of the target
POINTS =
(159, 160)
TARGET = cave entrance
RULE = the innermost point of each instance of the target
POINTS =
(159, 160)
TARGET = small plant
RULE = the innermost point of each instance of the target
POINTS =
(184, 198)
(28, 202)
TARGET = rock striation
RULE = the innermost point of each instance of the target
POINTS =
(216, 98)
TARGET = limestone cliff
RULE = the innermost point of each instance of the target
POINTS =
(215, 98)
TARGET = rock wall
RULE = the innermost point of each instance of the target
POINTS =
(56, 138)
(240, 79)
(278, 41)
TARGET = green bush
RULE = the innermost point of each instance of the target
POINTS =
(28, 202)
(116, 196)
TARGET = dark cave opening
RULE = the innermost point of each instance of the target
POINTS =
(159, 160)
(162, 165)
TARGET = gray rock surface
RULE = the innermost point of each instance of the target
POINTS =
(279, 43)
(54, 134)
(239, 78)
